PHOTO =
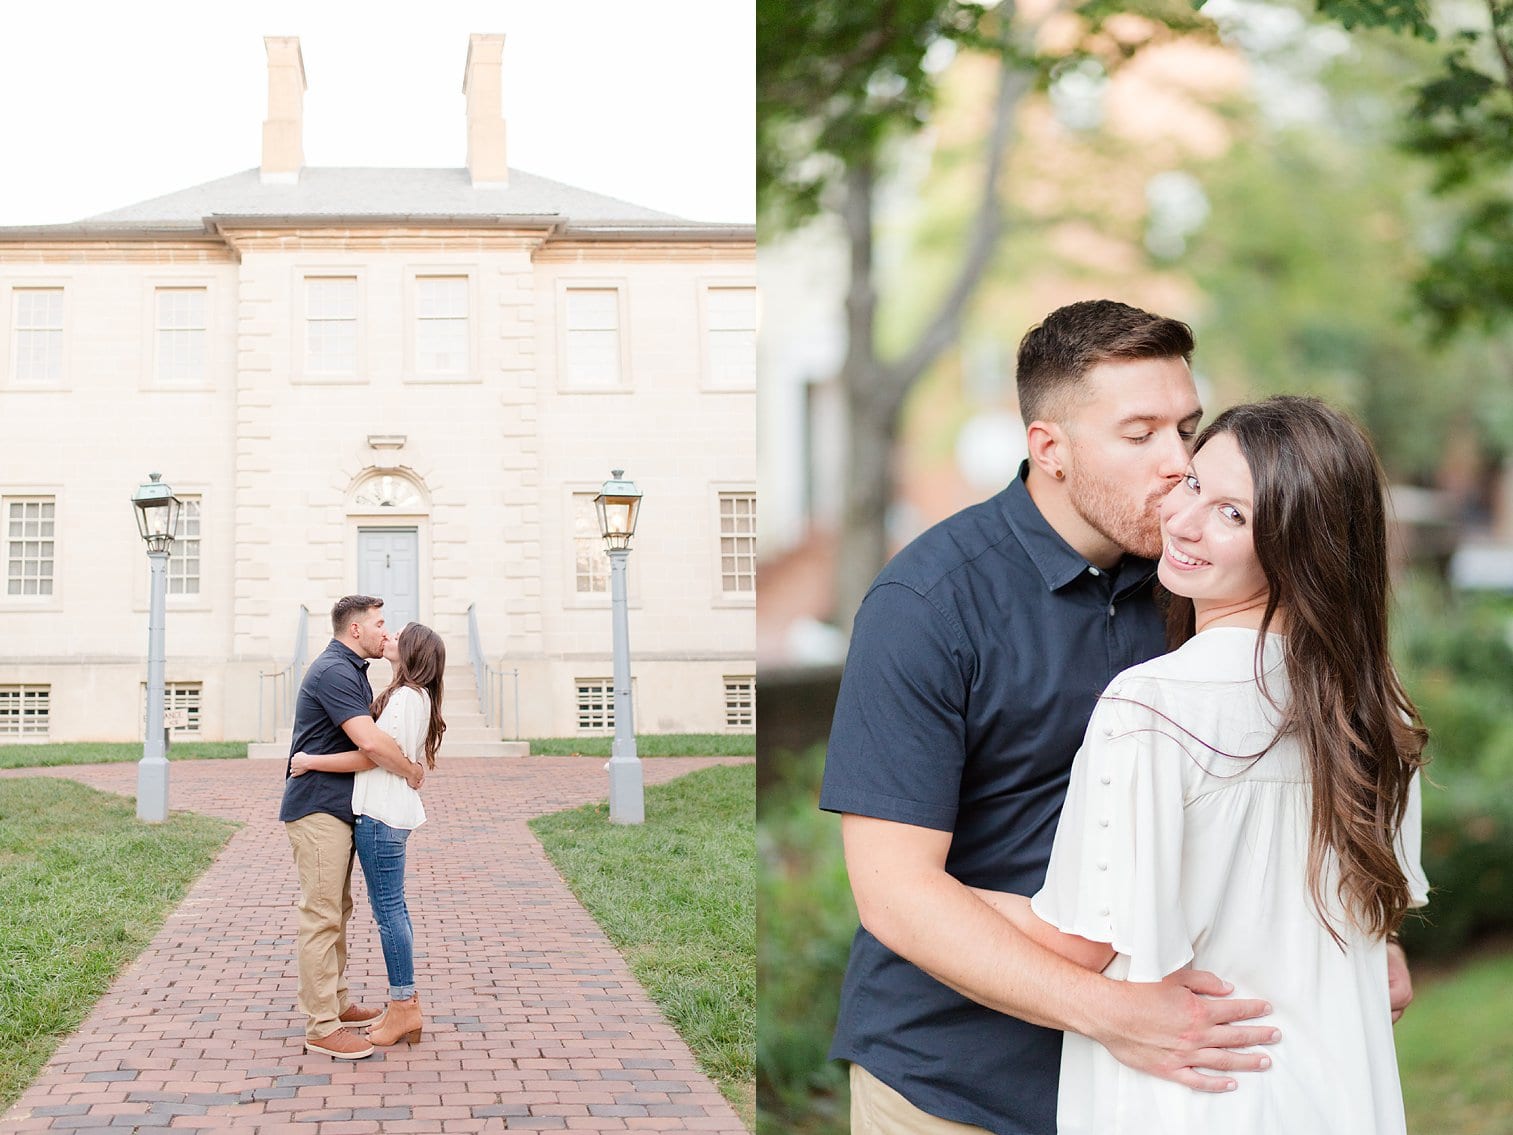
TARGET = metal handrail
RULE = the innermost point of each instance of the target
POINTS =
(285, 681)
(489, 679)
(475, 656)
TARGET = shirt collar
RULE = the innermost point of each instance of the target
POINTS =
(352, 656)
(1056, 560)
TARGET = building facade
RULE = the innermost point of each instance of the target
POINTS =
(407, 383)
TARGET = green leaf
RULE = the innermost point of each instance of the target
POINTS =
(1461, 89)
(1410, 16)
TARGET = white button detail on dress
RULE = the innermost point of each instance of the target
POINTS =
(1103, 822)
(1105, 779)
(1103, 910)
(1103, 864)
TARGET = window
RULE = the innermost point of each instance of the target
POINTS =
(388, 491)
(184, 562)
(331, 325)
(180, 696)
(39, 335)
(182, 334)
(730, 324)
(738, 543)
(593, 338)
(29, 546)
(596, 704)
(591, 570)
(740, 702)
(441, 324)
(23, 711)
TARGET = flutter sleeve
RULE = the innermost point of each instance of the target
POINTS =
(1116, 864)
(1408, 839)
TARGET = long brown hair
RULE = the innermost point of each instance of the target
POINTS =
(1320, 534)
(422, 661)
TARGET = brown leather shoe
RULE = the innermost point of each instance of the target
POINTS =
(343, 1044)
(362, 1017)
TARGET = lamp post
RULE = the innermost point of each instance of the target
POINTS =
(618, 505)
(157, 520)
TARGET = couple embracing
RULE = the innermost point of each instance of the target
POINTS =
(355, 765)
(1128, 781)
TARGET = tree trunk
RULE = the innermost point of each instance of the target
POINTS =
(874, 391)
(863, 547)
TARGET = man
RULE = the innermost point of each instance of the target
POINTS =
(332, 715)
(975, 662)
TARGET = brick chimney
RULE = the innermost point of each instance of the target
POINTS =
(283, 132)
(481, 85)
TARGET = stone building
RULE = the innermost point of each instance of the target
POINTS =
(403, 382)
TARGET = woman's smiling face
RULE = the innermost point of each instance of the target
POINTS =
(1207, 525)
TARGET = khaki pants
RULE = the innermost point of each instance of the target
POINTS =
(877, 1109)
(323, 858)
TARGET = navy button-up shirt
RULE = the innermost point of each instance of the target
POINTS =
(335, 689)
(975, 662)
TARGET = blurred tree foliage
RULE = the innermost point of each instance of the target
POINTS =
(841, 85)
(838, 82)
(1272, 206)
(1461, 121)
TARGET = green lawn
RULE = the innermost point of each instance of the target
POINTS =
(677, 897)
(112, 752)
(1456, 1051)
(109, 752)
(651, 745)
(83, 887)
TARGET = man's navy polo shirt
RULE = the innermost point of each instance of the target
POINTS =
(335, 689)
(975, 662)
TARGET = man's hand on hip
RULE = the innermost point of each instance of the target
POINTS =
(1175, 1027)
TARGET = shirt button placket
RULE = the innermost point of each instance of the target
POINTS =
(1105, 805)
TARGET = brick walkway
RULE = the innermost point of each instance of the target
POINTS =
(533, 1021)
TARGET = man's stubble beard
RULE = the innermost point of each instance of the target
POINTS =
(1106, 510)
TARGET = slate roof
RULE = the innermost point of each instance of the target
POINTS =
(353, 194)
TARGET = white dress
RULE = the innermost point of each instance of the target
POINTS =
(1177, 854)
(377, 792)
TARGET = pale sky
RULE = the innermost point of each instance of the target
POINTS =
(103, 104)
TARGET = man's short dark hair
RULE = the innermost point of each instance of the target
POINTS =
(350, 607)
(1056, 355)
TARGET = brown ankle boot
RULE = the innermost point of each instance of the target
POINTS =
(401, 1022)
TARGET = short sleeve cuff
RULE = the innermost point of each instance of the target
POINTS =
(1159, 951)
(880, 806)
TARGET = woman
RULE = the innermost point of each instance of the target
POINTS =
(388, 809)
(1248, 804)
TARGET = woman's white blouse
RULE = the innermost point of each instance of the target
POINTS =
(1179, 845)
(378, 792)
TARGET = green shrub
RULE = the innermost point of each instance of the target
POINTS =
(805, 921)
(1455, 653)
(1468, 857)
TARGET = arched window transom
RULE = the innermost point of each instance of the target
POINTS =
(388, 491)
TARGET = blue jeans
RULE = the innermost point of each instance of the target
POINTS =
(381, 851)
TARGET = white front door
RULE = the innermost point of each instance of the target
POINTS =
(388, 567)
